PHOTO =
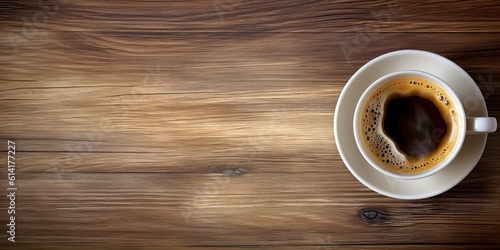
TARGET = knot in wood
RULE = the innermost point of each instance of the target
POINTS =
(233, 171)
(372, 215)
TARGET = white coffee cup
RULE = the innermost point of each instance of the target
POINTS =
(463, 126)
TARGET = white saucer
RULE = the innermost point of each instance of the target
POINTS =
(457, 79)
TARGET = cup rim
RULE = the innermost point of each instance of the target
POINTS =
(405, 74)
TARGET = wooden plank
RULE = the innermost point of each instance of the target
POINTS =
(256, 209)
(233, 159)
(252, 16)
(129, 101)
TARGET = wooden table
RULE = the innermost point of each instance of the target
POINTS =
(209, 124)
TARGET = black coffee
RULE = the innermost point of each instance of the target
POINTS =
(409, 125)
(413, 119)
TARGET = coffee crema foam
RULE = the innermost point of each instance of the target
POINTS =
(384, 149)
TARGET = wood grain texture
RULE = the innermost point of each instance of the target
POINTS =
(256, 16)
(208, 124)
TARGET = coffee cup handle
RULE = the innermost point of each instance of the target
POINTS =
(479, 125)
